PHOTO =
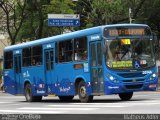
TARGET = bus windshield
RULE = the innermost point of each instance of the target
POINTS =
(129, 52)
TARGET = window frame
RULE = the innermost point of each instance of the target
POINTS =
(82, 51)
(64, 54)
(38, 62)
(7, 61)
(73, 49)
(25, 57)
(30, 58)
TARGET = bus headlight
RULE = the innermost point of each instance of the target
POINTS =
(153, 76)
(113, 79)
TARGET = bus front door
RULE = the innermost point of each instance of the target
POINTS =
(17, 71)
(96, 68)
(49, 67)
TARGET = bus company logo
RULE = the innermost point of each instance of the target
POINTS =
(96, 37)
(49, 46)
(63, 89)
(40, 91)
(113, 87)
(17, 52)
(26, 74)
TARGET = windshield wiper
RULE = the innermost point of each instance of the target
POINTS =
(135, 46)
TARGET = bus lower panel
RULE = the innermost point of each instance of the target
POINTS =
(111, 88)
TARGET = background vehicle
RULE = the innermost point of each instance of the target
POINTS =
(89, 63)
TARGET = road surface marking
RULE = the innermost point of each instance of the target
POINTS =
(5, 102)
(88, 106)
(12, 103)
(42, 108)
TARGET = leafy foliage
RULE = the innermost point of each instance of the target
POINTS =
(28, 19)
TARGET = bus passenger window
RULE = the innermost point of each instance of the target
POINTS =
(37, 55)
(80, 49)
(65, 51)
(8, 60)
(26, 55)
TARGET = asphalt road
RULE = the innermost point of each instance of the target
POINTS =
(141, 103)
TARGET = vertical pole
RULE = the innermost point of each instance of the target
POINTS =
(130, 19)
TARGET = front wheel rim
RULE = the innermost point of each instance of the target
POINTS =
(28, 92)
(83, 91)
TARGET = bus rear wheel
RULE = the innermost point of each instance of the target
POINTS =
(66, 98)
(126, 96)
(28, 94)
(82, 93)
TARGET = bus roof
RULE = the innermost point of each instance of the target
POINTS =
(75, 34)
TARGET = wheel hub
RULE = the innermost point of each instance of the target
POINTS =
(83, 91)
(28, 94)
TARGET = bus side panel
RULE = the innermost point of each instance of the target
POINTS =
(9, 82)
(35, 75)
(64, 79)
(66, 75)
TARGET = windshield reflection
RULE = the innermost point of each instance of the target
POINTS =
(129, 53)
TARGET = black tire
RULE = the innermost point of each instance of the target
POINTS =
(28, 94)
(126, 96)
(65, 98)
(82, 93)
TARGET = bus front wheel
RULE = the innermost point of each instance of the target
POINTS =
(82, 93)
(126, 96)
(28, 94)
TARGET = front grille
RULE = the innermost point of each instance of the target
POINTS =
(134, 80)
(130, 75)
(134, 86)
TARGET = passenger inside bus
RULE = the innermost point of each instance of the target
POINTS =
(122, 53)
(33, 62)
(85, 55)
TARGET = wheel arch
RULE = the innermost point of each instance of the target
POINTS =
(26, 82)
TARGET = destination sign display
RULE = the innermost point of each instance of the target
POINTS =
(126, 31)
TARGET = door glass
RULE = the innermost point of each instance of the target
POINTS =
(96, 62)
(47, 61)
(52, 59)
(95, 79)
(17, 64)
(93, 55)
(99, 54)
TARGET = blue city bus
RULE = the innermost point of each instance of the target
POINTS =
(104, 60)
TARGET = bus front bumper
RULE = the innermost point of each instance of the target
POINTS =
(112, 88)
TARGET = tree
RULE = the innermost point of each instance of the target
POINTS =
(28, 19)
(14, 14)
(101, 12)
(36, 23)
(150, 15)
